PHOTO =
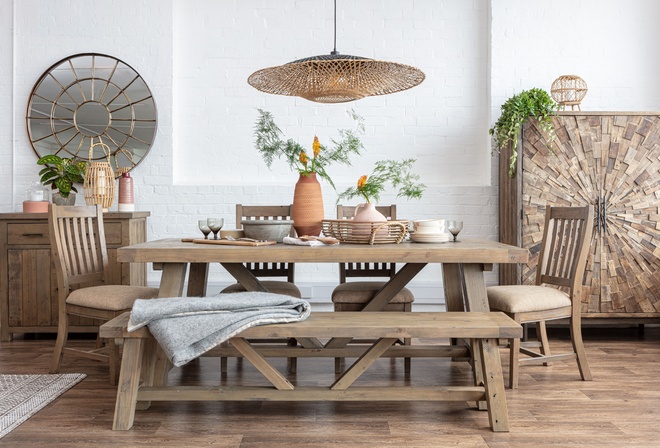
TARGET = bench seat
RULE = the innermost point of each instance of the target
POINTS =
(140, 383)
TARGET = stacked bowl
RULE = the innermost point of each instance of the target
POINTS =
(429, 231)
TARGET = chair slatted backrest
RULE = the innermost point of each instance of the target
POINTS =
(266, 212)
(78, 244)
(566, 241)
(348, 270)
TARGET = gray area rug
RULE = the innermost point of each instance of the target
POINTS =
(22, 396)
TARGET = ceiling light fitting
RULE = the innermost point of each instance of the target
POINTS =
(336, 78)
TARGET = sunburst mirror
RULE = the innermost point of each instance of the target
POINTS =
(90, 98)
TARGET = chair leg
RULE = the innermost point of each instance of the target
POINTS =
(113, 361)
(62, 335)
(338, 365)
(514, 365)
(292, 363)
(407, 361)
(578, 348)
(223, 366)
(542, 336)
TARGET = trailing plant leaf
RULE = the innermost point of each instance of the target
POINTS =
(515, 112)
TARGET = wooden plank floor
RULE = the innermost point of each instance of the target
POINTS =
(552, 407)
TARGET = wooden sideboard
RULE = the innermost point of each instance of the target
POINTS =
(28, 284)
(610, 160)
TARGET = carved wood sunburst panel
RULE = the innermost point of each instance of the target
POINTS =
(613, 163)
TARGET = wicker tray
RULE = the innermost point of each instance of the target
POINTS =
(365, 232)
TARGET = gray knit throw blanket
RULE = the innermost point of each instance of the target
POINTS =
(187, 327)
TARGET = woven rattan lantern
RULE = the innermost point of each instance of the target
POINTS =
(99, 186)
(568, 90)
(336, 78)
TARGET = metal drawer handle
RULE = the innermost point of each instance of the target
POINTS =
(33, 235)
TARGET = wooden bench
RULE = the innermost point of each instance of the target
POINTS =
(139, 384)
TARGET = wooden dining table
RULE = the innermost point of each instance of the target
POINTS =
(463, 265)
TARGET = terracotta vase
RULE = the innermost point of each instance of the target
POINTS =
(307, 210)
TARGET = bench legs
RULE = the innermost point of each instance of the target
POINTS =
(137, 368)
(494, 384)
(142, 357)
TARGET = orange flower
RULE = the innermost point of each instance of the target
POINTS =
(362, 181)
(303, 158)
(316, 146)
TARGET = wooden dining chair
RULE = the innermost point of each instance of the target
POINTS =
(355, 295)
(80, 256)
(556, 292)
(267, 270)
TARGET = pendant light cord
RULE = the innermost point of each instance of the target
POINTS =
(334, 50)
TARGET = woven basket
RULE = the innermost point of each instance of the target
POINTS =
(365, 232)
(568, 90)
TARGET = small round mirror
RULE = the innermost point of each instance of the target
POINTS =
(92, 98)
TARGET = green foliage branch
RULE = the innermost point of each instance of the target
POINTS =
(515, 112)
(271, 146)
(397, 173)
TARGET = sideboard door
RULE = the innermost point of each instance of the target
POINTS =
(612, 162)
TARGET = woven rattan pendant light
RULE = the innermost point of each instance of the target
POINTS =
(336, 78)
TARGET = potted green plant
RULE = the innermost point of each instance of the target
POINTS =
(62, 173)
(515, 112)
(396, 172)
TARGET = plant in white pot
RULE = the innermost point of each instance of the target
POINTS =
(61, 173)
(398, 173)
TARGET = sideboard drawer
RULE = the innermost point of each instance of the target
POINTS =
(33, 234)
(38, 234)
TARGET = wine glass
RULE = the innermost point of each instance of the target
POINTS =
(215, 224)
(204, 227)
(455, 228)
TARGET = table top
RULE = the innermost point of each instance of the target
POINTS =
(466, 251)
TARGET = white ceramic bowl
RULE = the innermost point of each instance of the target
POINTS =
(433, 226)
(270, 230)
(428, 222)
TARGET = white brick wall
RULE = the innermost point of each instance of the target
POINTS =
(196, 60)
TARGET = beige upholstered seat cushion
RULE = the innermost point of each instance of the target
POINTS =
(276, 287)
(362, 292)
(110, 297)
(526, 298)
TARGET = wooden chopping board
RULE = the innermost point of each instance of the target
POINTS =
(235, 243)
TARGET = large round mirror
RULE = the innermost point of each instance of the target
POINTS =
(91, 98)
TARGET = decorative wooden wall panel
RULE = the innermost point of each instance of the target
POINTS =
(611, 161)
